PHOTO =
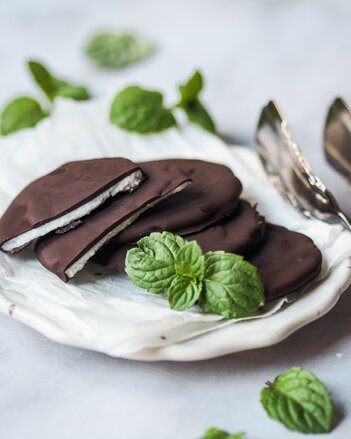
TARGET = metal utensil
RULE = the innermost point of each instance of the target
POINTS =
(290, 171)
(337, 137)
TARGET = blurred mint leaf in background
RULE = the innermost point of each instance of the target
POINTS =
(115, 50)
(53, 86)
(22, 112)
(141, 111)
(190, 103)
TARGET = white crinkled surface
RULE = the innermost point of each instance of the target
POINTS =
(106, 312)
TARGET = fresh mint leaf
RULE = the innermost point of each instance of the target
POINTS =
(300, 401)
(214, 433)
(183, 292)
(190, 261)
(54, 87)
(191, 104)
(198, 114)
(22, 112)
(191, 89)
(138, 110)
(152, 264)
(115, 50)
(232, 286)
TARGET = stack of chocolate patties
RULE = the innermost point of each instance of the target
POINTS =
(99, 209)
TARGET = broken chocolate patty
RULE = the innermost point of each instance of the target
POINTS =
(60, 198)
(65, 254)
(213, 194)
(238, 233)
(286, 261)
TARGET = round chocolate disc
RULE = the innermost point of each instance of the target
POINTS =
(213, 194)
(237, 233)
(286, 261)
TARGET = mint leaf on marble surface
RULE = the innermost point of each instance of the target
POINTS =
(151, 265)
(53, 86)
(113, 50)
(22, 112)
(300, 401)
(138, 110)
(232, 286)
(215, 433)
(191, 104)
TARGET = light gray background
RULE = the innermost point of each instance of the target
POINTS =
(250, 51)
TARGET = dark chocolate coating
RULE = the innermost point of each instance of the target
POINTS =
(286, 261)
(63, 190)
(213, 194)
(58, 252)
(237, 233)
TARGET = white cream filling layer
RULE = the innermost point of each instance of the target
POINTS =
(81, 262)
(128, 183)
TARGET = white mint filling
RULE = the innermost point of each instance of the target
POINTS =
(128, 183)
(80, 263)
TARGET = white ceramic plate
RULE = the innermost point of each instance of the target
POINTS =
(107, 313)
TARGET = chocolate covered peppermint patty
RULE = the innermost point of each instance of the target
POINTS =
(238, 233)
(57, 200)
(286, 261)
(213, 194)
(67, 253)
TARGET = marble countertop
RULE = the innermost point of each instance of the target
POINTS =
(294, 51)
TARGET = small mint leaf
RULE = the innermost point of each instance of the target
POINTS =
(54, 87)
(300, 401)
(215, 433)
(190, 261)
(191, 89)
(22, 112)
(183, 292)
(138, 110)
(232, 286)
(191, 104)
(116, 50)
(198, 114)
(152, 264)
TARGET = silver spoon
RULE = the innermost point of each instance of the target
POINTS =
(337, 137)
(290, 171)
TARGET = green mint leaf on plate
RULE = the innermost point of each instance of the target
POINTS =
(138, 110)
(191, 104)
(214, 433)
(54, 87)
(300, 401)
(190, 261)
(232, 286)
(22, 112)
(152, 264)
(183, 292)
(115, 50)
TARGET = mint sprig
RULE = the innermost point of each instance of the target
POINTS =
(142, 111)
(113, 50)
(215, 433)
(138, 110)
(221, 283)
(300, 401)
(191, 104)
(22, 112)
(53, 86)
